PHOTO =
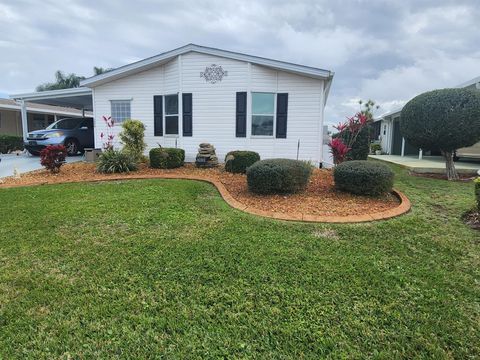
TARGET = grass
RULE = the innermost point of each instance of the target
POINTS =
(165, 269)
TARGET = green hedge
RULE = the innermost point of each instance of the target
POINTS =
(363, 177)
(278, 176)
(238, 161)
(166, 158)
(10, 143)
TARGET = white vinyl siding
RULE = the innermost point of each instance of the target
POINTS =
(214, 106)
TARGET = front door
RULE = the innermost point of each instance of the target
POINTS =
(397, 138)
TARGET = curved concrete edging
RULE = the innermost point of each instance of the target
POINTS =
(402, 208)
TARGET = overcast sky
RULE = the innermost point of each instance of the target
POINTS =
(388, 51)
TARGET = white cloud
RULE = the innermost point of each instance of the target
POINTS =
(393, 87)
(388, 51)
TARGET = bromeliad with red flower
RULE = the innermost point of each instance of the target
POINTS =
(108, 136)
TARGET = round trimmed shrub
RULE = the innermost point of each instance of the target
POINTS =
(278, 176)
(362, 177)
(116, 161)
(166, 158)
(238, 161)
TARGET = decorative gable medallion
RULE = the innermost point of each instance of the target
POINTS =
(213, 73)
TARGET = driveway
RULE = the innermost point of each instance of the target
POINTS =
(24, 163)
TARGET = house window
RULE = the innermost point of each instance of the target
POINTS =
(263, 114)
(120, 110)
(171, 114)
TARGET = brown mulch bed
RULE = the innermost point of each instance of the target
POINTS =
(472, 219)
(320, 198)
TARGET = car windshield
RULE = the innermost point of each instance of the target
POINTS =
(65, 124)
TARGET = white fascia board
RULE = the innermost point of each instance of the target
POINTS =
(52, 94)
(469, 82)
(388, 113)
(157, 60)
(53, 112)
(40, 110)
(9, 107)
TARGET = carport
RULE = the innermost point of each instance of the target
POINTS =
(78, 98)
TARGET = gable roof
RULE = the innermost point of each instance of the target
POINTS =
(165, 57)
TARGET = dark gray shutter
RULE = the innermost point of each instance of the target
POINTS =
(282, 110)
(187, 114)
(241, 117)
(158, 115)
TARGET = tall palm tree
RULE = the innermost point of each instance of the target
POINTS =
(63, 81)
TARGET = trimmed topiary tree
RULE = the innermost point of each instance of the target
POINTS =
(239, 160)
(278, 176)
(446, 119)
(132, 137)
(166, 158)
(362, 177)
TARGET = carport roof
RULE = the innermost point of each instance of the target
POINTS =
(77, 98)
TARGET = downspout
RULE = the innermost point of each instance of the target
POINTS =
(23, 112)
(326, 90)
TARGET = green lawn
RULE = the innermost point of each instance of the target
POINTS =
(165, 269)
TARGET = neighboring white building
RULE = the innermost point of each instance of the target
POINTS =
(39, 116)
(389, 130)
(197, 94)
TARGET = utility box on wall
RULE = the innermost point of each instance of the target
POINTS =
(91, 155)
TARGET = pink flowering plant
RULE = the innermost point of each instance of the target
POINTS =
(108, 136)
(341, 145)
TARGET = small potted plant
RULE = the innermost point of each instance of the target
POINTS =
(376, 149)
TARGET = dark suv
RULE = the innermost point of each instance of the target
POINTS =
(75, 134)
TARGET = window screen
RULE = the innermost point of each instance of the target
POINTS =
(120, 110)
(171, 114)
(263, 112)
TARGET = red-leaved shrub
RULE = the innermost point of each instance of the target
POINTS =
(53, 157)
(353, 126)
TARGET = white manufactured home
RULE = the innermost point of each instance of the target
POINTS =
(197, 94)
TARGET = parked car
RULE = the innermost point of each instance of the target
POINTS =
(75, 134)
(471, 152)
